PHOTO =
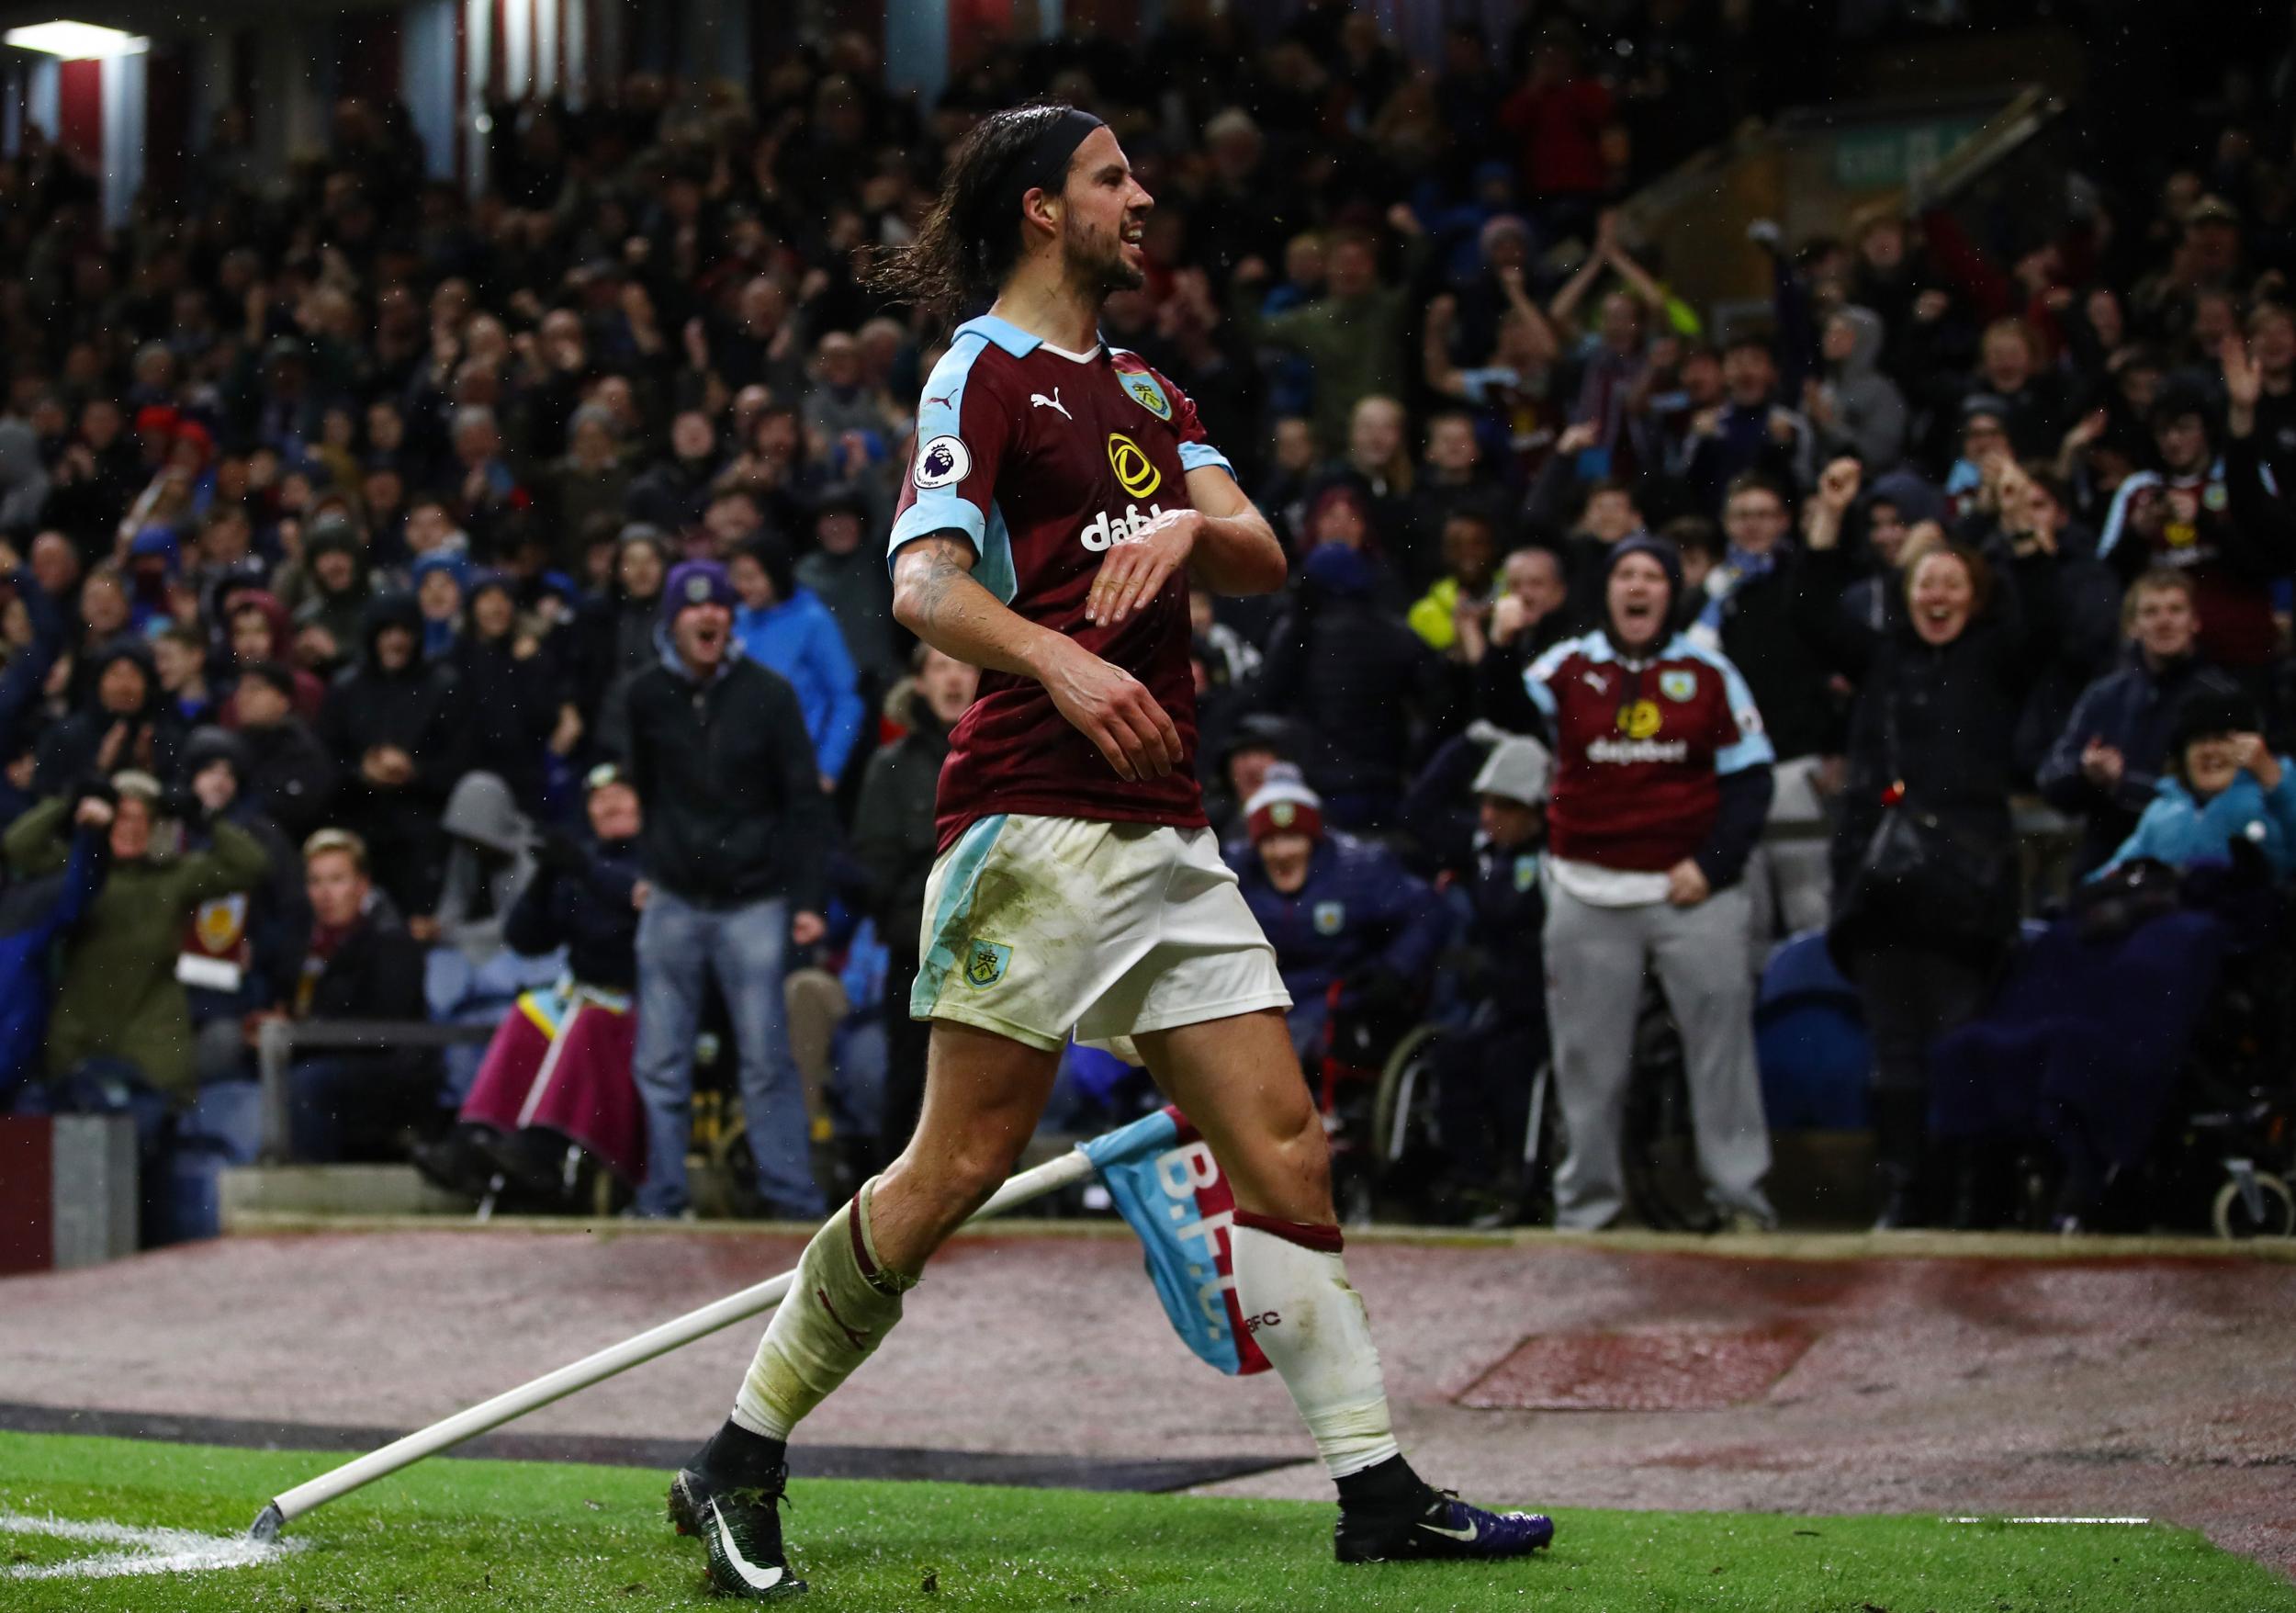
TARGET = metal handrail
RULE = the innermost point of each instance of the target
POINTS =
(278, 1040)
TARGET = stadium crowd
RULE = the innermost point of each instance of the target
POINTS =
(422, 605)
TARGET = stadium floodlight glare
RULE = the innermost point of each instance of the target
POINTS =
(76, 42)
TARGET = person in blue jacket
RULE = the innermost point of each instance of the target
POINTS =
(1337, 910)
(33, 914)
(2223, 784)
(788, 629)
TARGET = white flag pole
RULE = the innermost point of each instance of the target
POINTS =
(1051, 1175)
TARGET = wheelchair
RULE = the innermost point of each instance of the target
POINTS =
(1409, 1161)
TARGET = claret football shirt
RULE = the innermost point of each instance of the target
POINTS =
(1044, 459)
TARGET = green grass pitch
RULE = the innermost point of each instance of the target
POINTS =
(513, 1536)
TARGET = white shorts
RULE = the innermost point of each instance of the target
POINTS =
(1036, 927)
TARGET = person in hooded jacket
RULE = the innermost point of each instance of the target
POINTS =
(613, 635)
(894, 844)
(558, 1072)
(848, 577)
(786, 627)
(1662, 782)
(510, 688)
(288, 774)
(393, 728)
(1855, 408)
(442, 584)
(238, 950)
(129, 724)
(257, 629)
(1921, 921)
(1359, 680)
(339, 580)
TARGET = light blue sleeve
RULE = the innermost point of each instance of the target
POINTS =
(953, 471)
(1539, 676)
(1196, 456)
(1752, 748)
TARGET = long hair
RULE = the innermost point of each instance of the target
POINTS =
(970, 240)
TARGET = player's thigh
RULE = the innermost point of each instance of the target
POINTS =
(984, 1094)
(1237, 1081)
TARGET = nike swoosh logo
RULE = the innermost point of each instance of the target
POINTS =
(1466, 1534)
(755, 1578)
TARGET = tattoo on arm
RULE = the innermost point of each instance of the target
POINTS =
(932, 569)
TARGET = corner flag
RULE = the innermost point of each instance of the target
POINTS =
(1167, 1186)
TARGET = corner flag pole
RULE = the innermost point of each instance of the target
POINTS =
(1067, 1170)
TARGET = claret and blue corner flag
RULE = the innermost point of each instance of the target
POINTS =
(1167, 1186)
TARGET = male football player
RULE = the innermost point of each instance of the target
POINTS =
(1061, 503)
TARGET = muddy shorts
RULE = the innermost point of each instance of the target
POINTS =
(1036, 927)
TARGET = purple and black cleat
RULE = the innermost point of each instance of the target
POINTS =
(1447, 1529)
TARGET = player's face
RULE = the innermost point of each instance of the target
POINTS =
(1104, 215)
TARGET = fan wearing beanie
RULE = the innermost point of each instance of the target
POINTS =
(2221, 787)
(1338, 910)
(1662, 780)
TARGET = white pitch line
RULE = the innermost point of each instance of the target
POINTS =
(2123, 1522)
(151, 1551)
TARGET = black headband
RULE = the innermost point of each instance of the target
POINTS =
(1044, 165)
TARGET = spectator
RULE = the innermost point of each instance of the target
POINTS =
(895, 843)
(127, 725)
(1353, 338)
(35, 914)
(849, 577)
(2100, 767)
(1358, 680)
(1924, 901)
(788, 630)
(1352, 929)
(120, 1004)
(1471, 558)
(2222, 787)
(1752, 430)
(517, 715)
(287, 775)
(393, 728)
(556, 1074)
(734, 847)
(613, 633)
(1662, 780)
(1486, 1067)
(2214, 517)
(358, 963)
(259, 632)
(1856, 408)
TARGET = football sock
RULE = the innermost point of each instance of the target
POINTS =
(736, 1456)
(843, 1303)
(1391, 1485)
(1314, 1331)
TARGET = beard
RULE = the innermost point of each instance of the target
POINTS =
(1095, 263)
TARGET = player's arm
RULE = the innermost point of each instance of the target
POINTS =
(936, 597)
(1225, 543)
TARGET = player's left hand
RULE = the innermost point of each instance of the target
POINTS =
(1136, 570)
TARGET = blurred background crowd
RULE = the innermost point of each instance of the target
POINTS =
(471, 609)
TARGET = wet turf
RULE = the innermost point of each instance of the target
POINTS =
(514, 1536)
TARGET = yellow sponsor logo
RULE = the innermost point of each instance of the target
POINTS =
(1134, 472)
(1640, 720)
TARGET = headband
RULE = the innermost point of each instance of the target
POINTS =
(1045, 163)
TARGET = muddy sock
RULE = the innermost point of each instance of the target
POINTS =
(1314, 1331)
(1391, 1485)
(842, 1306)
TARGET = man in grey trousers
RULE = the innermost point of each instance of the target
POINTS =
(1662, 780)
